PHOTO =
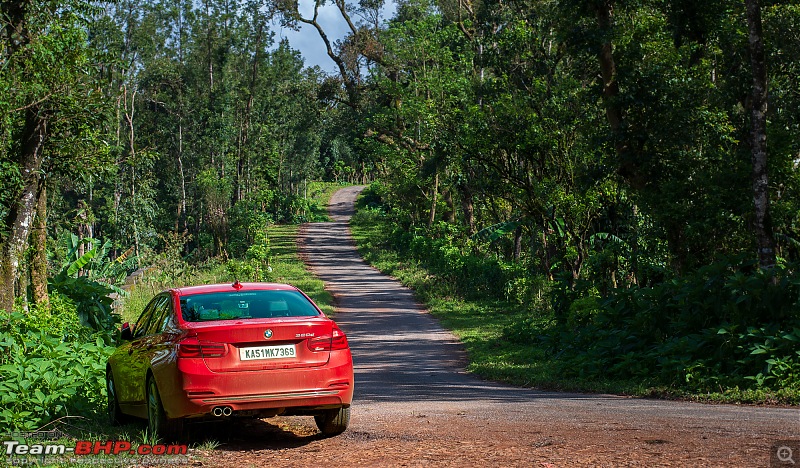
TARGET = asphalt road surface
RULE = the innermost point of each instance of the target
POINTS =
(415, 405)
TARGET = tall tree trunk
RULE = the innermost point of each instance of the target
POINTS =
(628, 167)
(450, 214)
(39, 263)
(634, 275)
(758, 138)
(608, 67)
(19, 220)
(518, 243)
(210, 57)
(181, 210)
(548, 253)
(468, 199)
(243, 152)
(434, 199)
(468, 207)
(129, 116)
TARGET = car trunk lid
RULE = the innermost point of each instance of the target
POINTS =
(260, 344)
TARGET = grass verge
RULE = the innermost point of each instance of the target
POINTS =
(480, 325)
(170, 271)
(320, 194)
(287, 267)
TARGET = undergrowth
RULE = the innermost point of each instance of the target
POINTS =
(728, 332)
(53, 357)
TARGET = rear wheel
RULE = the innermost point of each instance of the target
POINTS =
(333, 422)
(158, 423)
(115, 414)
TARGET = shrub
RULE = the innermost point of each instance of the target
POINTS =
(726, 325)
(50, 366)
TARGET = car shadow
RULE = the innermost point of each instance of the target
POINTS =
(237, 434)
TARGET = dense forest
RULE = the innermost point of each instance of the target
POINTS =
(600, 163)
(152, 123)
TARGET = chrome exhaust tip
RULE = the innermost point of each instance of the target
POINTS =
(220, 411)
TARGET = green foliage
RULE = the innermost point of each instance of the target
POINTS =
(278, 243)
(256, 266)
(91, 297)
(89, 280)
(727, 325)
(511, 171)
(604, 197)
(620, 186)
(170, 265)
(201, 125)
(773, 352)
(50, 366)
(11, 180)
(95, 262)
(728, 332)
(445, 253)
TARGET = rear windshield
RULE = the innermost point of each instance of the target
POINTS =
(245, 305)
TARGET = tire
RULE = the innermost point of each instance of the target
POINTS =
(158, 424)
(115, 414)
(333, 422)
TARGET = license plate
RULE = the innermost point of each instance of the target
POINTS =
(267, 352)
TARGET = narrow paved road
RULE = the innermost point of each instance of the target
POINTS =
(415, 405)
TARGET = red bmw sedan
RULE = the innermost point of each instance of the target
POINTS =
(241, 349)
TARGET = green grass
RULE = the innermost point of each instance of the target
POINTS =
(287, 267)
(286, 264)
(169, 272)
(320, 194)
(479, 324)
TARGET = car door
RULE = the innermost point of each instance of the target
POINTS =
(135, 359)
(163, 354)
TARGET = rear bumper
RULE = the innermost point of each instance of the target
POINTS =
(201, 390)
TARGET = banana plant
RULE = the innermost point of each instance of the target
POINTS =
(496, 231)
(95, 263)
(89, 279)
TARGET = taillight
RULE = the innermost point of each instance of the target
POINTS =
(339, 340)
(336, 340)
(192, 348)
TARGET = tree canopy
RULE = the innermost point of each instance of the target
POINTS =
(619, 143)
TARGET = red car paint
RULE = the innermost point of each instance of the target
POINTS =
(259, 349)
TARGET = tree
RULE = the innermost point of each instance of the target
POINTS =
(357, 51)
(47, 60)
(758, 137)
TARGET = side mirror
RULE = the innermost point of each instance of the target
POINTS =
(126, 333)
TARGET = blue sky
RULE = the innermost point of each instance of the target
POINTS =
(307, 40)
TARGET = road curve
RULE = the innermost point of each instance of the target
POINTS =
(415, 404)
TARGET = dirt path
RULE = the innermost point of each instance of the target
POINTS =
(414, 404)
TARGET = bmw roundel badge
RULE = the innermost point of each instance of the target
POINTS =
(268, 334)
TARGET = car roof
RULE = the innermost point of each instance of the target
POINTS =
(231, 287)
